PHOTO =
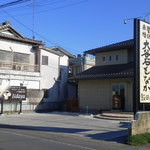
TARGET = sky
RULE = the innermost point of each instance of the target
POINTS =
(75, 25)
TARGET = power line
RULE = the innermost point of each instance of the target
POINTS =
(41, 36)
(23, 7)
(56, 8)
(68, 5)
(35, 33)
(13, 3)
(50, 3)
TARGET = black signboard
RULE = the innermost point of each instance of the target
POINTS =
(18, 92)
(14, 93)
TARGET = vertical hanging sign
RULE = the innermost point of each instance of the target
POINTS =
(144, 62)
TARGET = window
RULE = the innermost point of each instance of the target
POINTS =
(118, 89)
(21, 58)
(110, 58)
(117, 57)
(6, 56)
(44, 60)
(118, 95)
(103, 58)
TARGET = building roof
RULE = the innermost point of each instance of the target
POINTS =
(62, 51)
(8, 32)
(51, 50)
(121, 45)
(110, 71)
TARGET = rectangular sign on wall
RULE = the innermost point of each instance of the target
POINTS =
(144, 61)
(14, 93)
(18, 92)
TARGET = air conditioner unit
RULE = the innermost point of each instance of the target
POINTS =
(18, 67)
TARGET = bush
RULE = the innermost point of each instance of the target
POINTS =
(139, 139)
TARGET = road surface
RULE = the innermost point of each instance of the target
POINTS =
(57, 131)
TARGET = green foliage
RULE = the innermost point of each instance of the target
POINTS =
(139, 139)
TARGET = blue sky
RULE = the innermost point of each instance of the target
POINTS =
(76, 25)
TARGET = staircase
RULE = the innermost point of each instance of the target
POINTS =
(115, 115)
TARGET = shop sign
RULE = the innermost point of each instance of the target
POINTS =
(144, 61)
(14, 93)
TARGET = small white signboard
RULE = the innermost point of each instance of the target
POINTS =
(144, 61)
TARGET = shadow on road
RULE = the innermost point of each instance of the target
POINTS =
(113, 136)
(40, 128)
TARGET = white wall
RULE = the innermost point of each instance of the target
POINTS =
(16, 46)
(49, 73)
(57, 88)
(49, 76)
(29, 79)
(64, 61)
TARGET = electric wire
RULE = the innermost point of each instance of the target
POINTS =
(39, 35)
(13, 3)
(28, 7)
(52, 9)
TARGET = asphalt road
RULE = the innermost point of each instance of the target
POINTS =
(56, 131)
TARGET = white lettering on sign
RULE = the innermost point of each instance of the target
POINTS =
(17, 96)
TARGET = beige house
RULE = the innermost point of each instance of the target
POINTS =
(109, 84)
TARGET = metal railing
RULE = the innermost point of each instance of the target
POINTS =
(19, 66)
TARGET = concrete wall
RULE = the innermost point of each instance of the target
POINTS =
(63, 83)
(19, 47)
(54, 78)
(121, 54)
(97, 94)
(50, 72)
(64, 70)
(141, 124)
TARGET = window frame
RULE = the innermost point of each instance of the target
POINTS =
(45, 60)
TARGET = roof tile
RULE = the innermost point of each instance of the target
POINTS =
(111, 71)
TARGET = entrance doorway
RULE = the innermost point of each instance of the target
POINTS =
(118, 94)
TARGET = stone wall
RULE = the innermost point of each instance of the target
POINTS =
(141, 124)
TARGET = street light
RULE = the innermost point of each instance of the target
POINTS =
(142, 18)
(125, 20)
(146, 16)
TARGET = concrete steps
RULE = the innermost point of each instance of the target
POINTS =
(121, 116)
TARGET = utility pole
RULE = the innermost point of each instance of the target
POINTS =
(33, 18)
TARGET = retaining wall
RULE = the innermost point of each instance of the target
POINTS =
(141, 124)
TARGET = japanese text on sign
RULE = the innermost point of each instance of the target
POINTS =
(144, 62)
